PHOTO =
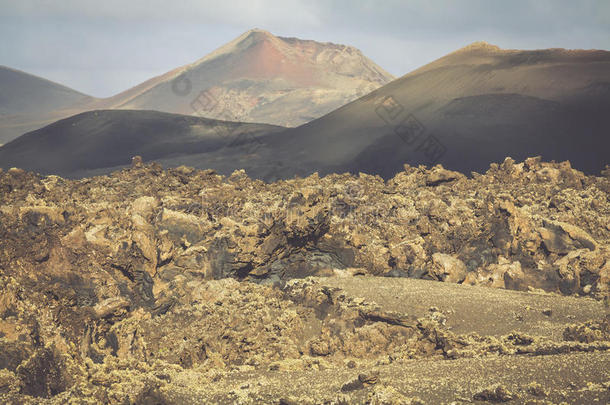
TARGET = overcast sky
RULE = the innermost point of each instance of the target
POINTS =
(101, 47)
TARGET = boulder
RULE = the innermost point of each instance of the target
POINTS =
(447, 268)
(52, 214)
(182, 227)
(438, 175)
(561, 238)
(144, 206)
(495, 274)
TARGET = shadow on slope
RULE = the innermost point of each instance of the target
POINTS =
(97, 140)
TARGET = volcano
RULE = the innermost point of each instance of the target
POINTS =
(259, 77)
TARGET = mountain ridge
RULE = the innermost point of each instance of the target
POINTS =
(18, 93)
(256, 77)
(475, 110)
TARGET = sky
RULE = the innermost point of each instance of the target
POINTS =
(102, 47)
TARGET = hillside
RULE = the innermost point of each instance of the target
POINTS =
(466, 110)
(257, 77)
(100, 140)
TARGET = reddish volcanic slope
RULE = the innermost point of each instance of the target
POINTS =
(265, 60)
(259, 77)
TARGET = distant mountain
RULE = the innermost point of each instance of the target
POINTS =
(28, 101)
(26, 93)
(99, 141)
(470, 108)
(259, 77)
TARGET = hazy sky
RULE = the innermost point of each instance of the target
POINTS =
(101, 47)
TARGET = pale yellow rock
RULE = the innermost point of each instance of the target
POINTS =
(448, 268)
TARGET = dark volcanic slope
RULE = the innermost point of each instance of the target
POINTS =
(482, 103)
(23, 92)
(26, 100)
(99, 140)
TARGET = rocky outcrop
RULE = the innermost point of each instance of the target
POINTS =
(157, 270)
(447, 268)
(562, 238)
(513, 227)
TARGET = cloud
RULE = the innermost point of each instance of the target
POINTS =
(133, 38)
(237, 12)
(438, 18)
